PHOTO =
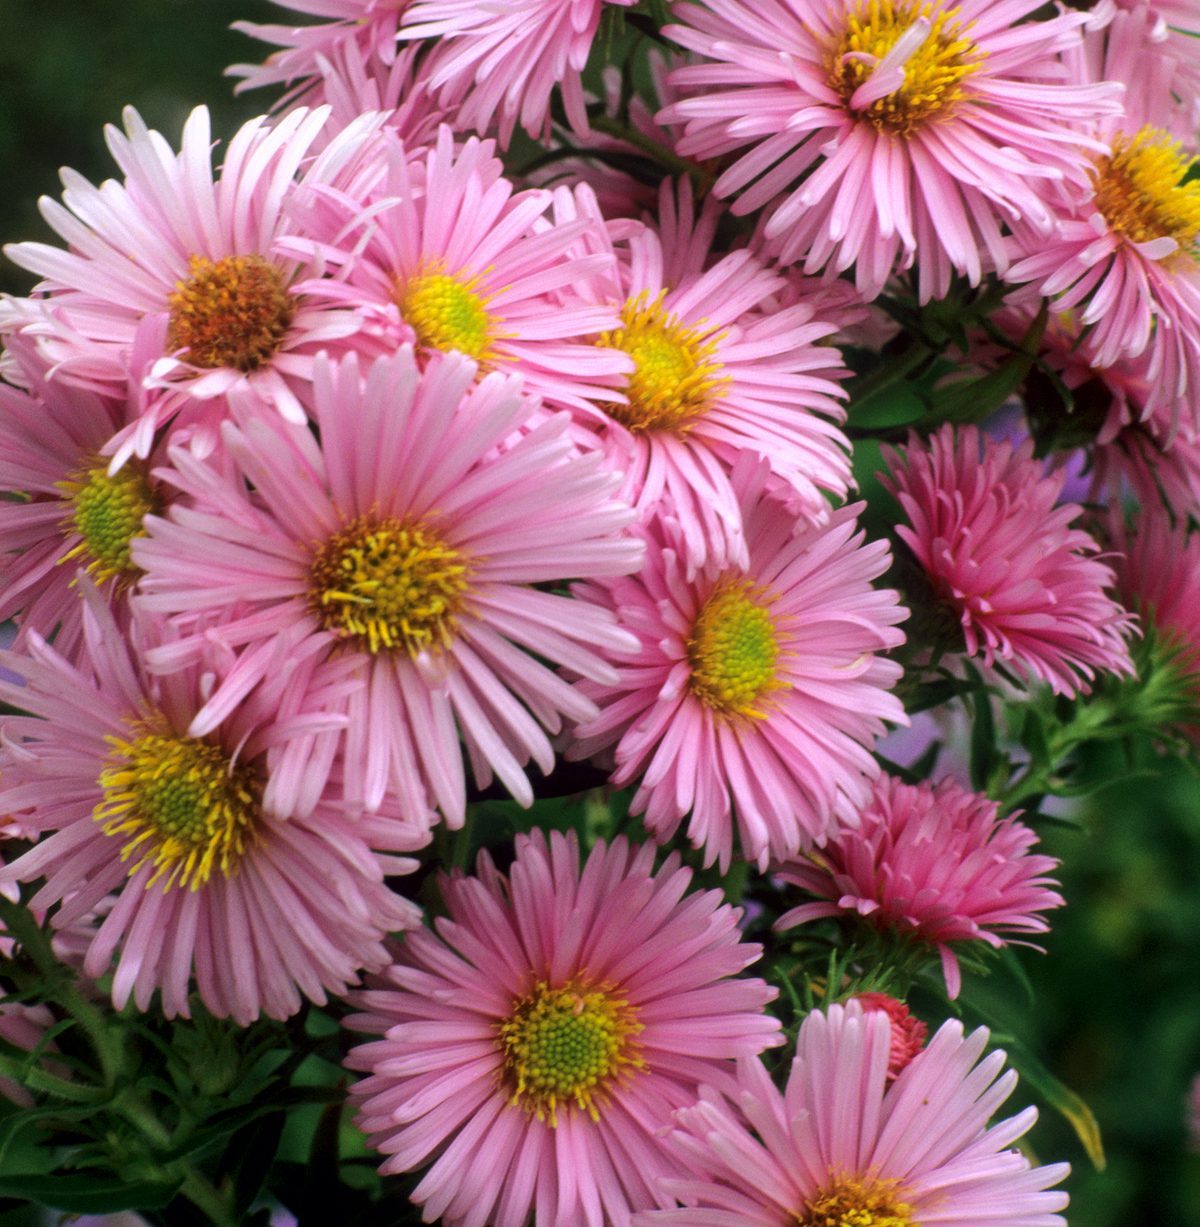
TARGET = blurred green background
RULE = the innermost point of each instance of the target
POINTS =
(1117, 1013)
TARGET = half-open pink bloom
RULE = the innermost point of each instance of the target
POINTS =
(1158, 574)
(755, 695)
(398, 568)
(909, 1033)
(500, 62)
(1002, 557)
(535, 1047)
(174, 242)
(253, 908)
(434, 248)
(934, 863)
(885, 132)
(842, 1144)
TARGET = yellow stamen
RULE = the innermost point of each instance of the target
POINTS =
(855, 1202)
(180, 804)
(230, 312)
(389, 585)
(1141, 190)
(447, 313)
(933, 74)
(676, 376)
(106, 511)
(733, 651)
(567, 1045)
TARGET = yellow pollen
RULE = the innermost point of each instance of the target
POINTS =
(447, 313)
(733, 651)
(106, 512)
(933, 74)
(851, 1202)
(1141, 190)
(389, 584)
(180, 804)
(676, 375)
(566, 1045)
(230, 312)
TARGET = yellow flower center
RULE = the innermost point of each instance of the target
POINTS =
(180, 804)
(389, 584)
(676, 375)
(851, 1202)
(230, 312)
(733, 651)
(933, 72)
(106, 511)
(566, 1045)
(1141, 190)
(447, 313)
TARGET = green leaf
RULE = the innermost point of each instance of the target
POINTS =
(88, 1194)
(974, 399)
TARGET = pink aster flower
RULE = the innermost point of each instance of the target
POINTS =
(403, 555)
(1126, 250)
(436, 249)
(172, 242)
(64, 510)
(723, 367)
(501, 62)
(367, 26)
(1003, 559)
(535, 1046)
(755, 695)
(254, 908)
(933, 863)
(885, 131)
(1158, 574)
(841, 1144)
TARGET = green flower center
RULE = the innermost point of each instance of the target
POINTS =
(180, 804)
(447, 313)
(566, 1045)
(106, 510)
(733, 651)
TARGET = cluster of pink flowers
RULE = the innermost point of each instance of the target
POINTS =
(350, 474)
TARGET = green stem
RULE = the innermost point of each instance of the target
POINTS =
(654, 149)
(895, 371)
(200, 1191)
(34, 1078)
(20, 923)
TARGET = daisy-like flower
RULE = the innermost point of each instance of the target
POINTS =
(64, 510)
(841, 1144)
(1002, 558)
(172, 242)
(367, 26)
(722, 369)
(437, 250)
(405, 553)
(501, 62)
(1126, 252)
(885, 130)
(255, 908)
(536, 1045)
(756, 694)
(933, 863)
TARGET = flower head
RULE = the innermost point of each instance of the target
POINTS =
(843, 1144)
(174, 244)
(500, 63)
(391, 574)
(539, 1040)
(755, 695)
(255, 907)
(1003, 559)
(924, 127)
(933, 863)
